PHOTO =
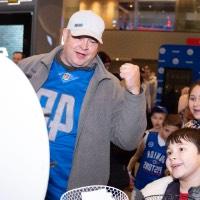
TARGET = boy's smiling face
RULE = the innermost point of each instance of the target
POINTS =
(183, 160)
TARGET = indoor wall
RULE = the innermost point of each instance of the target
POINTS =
(105, 8)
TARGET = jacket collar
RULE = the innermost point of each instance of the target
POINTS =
(47, 60)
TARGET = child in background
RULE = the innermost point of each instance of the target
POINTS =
(158, 116)
(152, 153)
(194, 105)
(183, 109)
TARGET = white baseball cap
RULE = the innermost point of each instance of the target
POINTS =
(86, 22)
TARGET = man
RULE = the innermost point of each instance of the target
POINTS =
(17, 56)
(85, 106)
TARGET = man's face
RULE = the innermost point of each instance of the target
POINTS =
(17, 57)
(78, 51)
(183, 160)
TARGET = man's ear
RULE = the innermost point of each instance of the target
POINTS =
(65, 35)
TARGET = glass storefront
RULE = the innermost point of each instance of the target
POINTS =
(158, 15)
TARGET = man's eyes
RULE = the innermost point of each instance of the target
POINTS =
(93, 41)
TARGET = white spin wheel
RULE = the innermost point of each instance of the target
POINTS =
(24, 146)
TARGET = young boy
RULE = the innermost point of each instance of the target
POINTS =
(152, 153)
(158, 115)
(183, 162)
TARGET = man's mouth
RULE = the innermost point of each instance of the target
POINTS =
(80, 55)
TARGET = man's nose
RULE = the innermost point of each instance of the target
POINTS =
(85, 43)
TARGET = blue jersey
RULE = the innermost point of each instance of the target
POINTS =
(61, 97)
(152, 163)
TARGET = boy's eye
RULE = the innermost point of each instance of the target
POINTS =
(192, 98)
(181, 149)
(169, 153)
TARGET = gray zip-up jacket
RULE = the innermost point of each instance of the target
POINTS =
(108, 113)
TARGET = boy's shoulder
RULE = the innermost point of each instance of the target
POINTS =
(155, 137)
(151, 132)
(149, 135)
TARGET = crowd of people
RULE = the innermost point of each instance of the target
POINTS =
(181, 180)
(93, 116)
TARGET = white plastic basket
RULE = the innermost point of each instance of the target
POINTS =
(76, 194)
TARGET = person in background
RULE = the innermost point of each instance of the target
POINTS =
(145, 77)
(146, 88)
(105, 59)
(153, 88)
(152, 153)
(183, 109)
(17, 56)
(84, 105)
(157, 118)
(150, 83)
(194, 105)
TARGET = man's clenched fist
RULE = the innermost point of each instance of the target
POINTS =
(131, 75)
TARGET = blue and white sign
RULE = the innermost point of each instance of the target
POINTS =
(180, 57)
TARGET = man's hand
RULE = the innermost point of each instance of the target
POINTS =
(131, 75)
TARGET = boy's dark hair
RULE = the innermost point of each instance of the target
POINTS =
(159, 109)
(173, 120)
(187, 134)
